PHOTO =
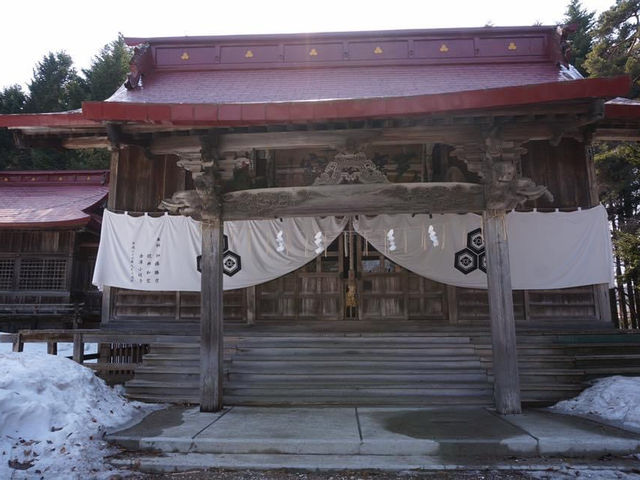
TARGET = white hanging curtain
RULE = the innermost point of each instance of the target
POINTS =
(161, 253)
(546, 250)
(257, 241)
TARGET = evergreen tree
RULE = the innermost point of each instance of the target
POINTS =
(12, 100)
(616, 43)
(616, 51)
(581, 21)
(108, 69)
(55, 86)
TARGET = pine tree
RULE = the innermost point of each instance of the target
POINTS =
(108, 69)
(12, 100)
(616, 51)
(55, 86)
(616, 44)
(581, 21)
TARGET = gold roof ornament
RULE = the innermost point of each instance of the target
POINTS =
(313, 52)
(249, 54)
(185, 56)
(444, 48)
(512, 46)
(378, 50)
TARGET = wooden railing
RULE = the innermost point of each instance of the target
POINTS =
(118, 353)
(72, 311)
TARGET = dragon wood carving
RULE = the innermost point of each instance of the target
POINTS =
(497, 163)
(350, 168)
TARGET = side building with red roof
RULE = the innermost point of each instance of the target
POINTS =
(49, 235)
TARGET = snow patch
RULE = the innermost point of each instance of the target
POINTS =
(613, 398)
(53, 417)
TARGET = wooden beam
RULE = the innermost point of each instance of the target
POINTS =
(506, 385)
(338, 139)
(78, 143)
(211, 324)
(239, 142)
(617, 134)
(370, 199)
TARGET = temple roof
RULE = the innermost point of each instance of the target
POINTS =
(331, 83)
(265, 79)
(39, 199)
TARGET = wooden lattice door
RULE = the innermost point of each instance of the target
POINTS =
(313, 292)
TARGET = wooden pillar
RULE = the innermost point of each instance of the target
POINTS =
(18, 343)
(251, 305)
(503, 329)
(452, 305)
(78, 348)
(211, 320)
(600, 291)
(52, 348)
(107, 298)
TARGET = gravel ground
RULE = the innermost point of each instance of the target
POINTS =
(343, 475)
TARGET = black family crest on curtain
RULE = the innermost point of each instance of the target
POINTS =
(472, 257)
(231, 261)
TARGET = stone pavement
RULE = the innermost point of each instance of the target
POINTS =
(359, 438)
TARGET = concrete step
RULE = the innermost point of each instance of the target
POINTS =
(361, 401)
(433, 465)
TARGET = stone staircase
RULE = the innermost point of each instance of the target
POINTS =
(446, 366)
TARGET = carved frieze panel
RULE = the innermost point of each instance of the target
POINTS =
(350, 168)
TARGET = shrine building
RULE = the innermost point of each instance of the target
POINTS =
(362, 198)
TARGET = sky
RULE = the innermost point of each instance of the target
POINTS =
(32, 28)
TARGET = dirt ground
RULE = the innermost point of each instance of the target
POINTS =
(343, 475)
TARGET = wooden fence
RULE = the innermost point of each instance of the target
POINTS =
(118, 354)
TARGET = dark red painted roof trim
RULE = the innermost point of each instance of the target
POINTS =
(271, 37)
(53, 177)
(61, 119)
(232, 114)
(625, 111)
(284, 112)
(70, 224)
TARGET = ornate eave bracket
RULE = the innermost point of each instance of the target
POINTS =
(497, 163)
(140, 63)
(202, 203)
